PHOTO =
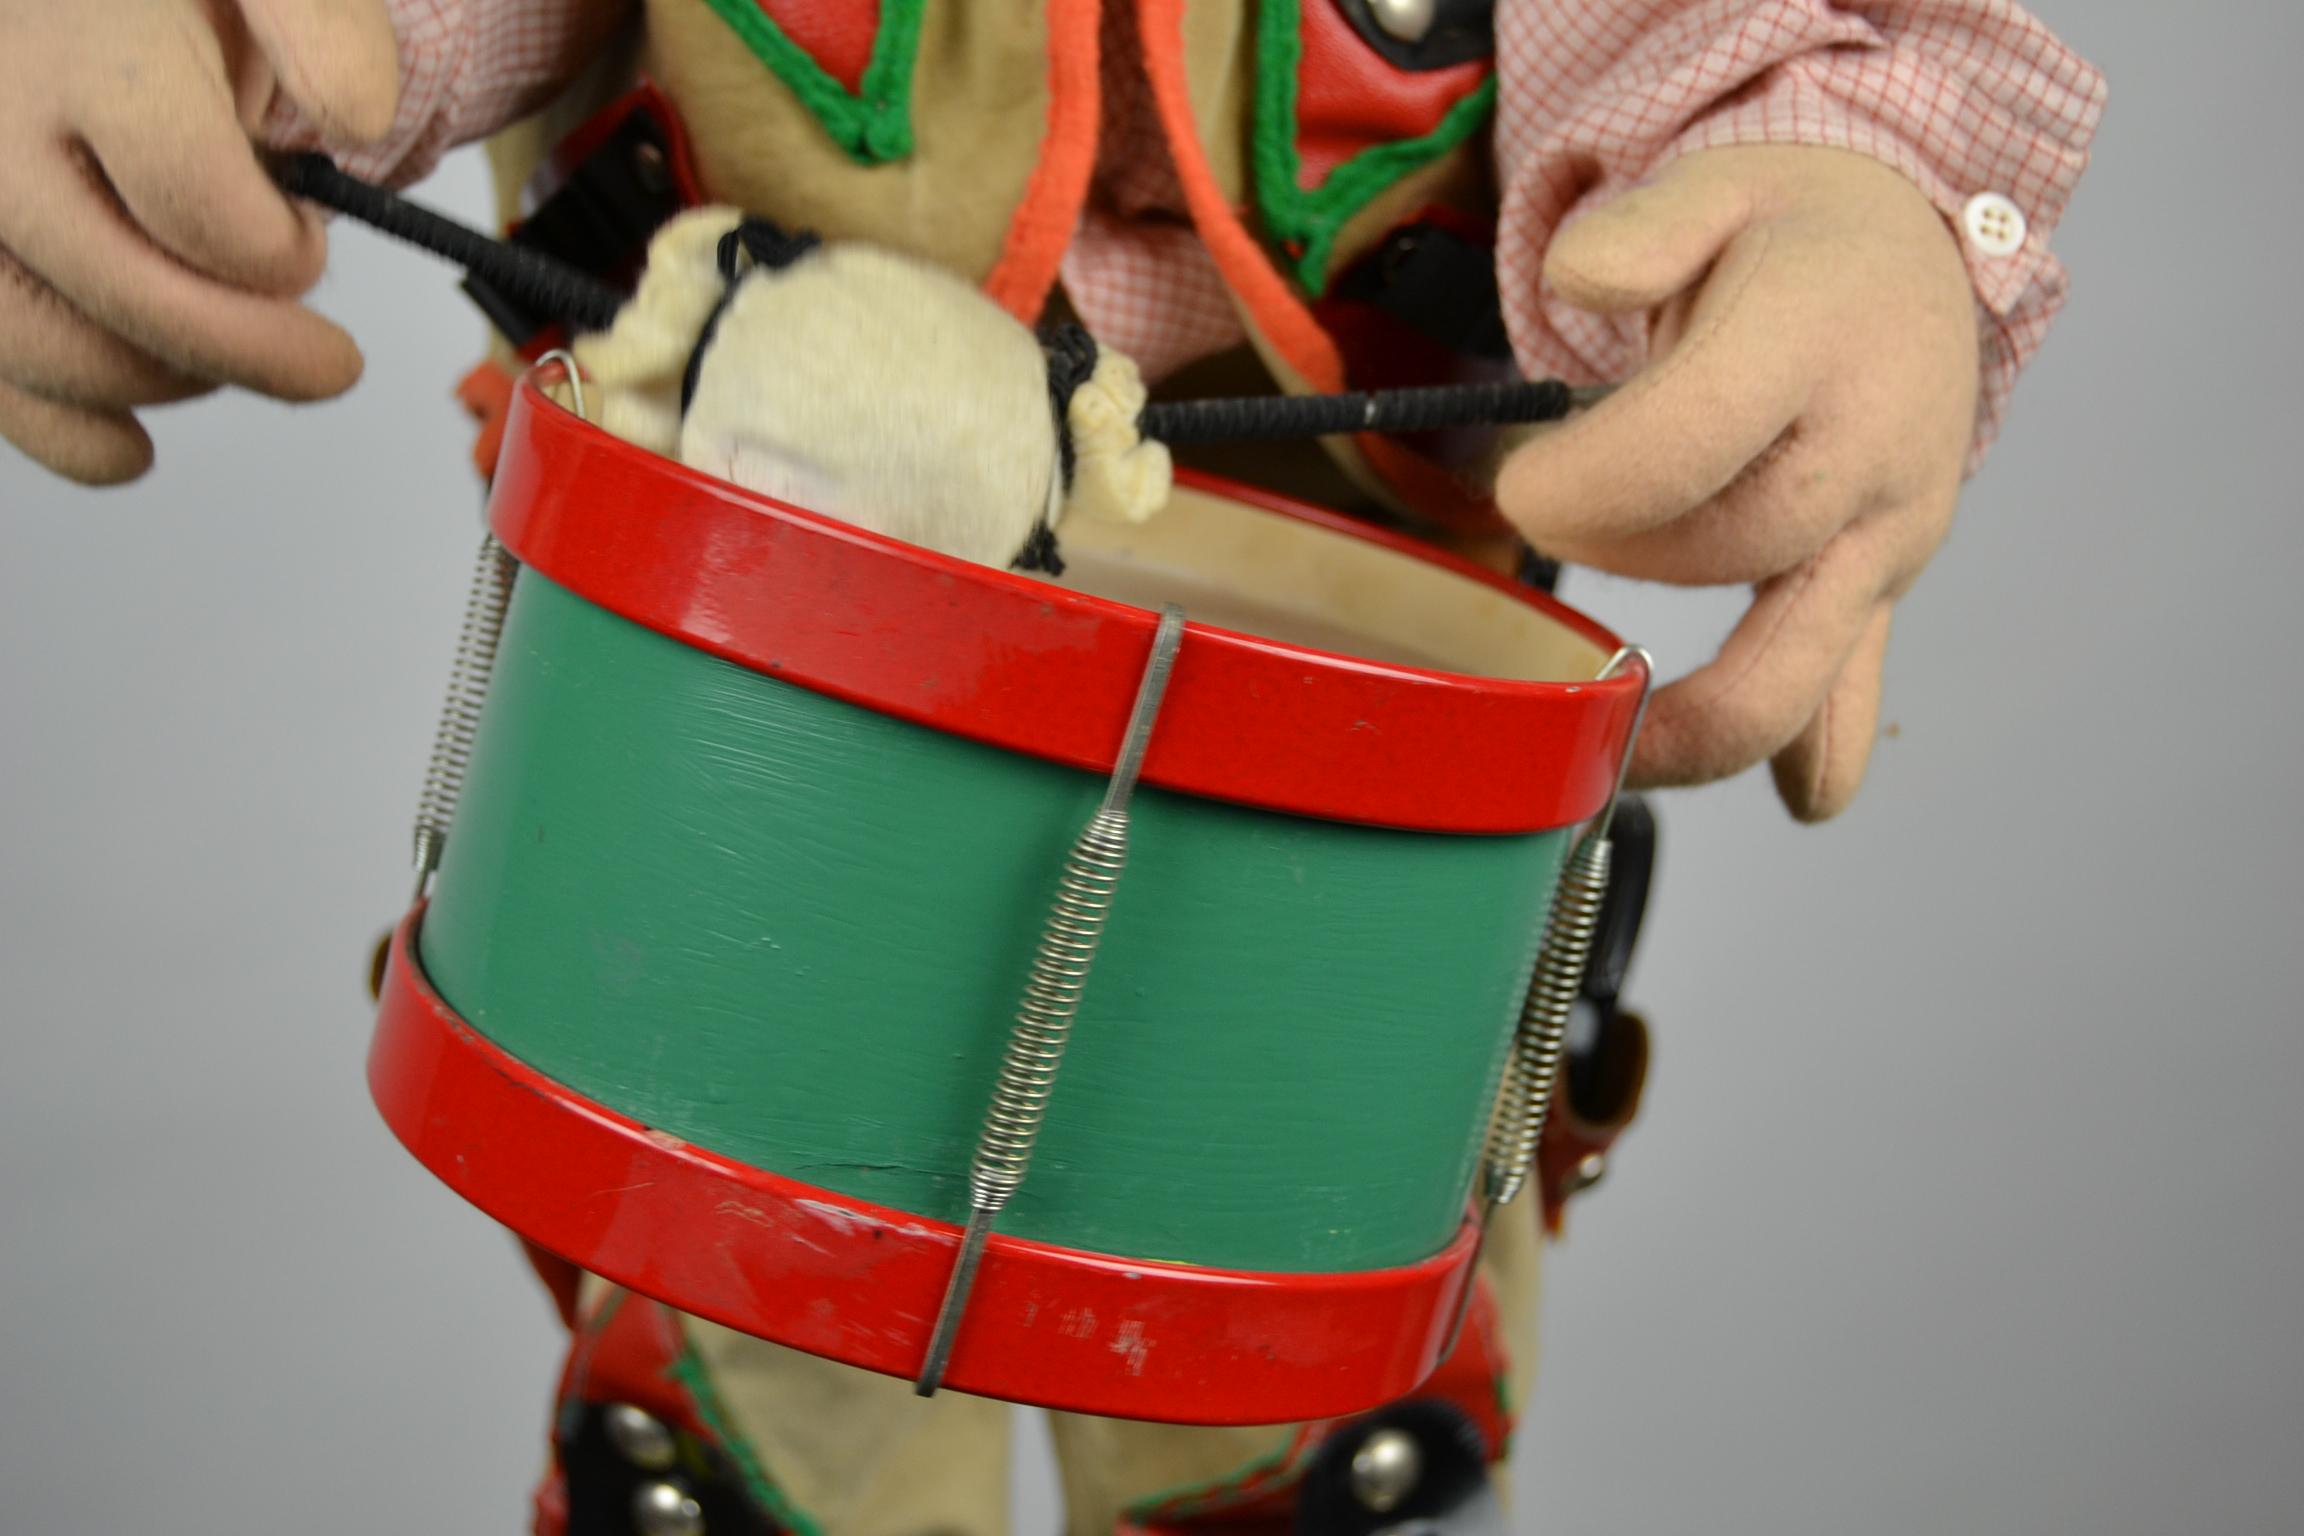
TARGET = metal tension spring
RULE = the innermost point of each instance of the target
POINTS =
(468, 676)
(1516, 1129)
(1051, 1001)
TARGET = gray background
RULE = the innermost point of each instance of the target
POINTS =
(1966, 1198)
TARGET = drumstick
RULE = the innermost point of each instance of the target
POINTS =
(548, 284)
(553, 287)
(1263, 418)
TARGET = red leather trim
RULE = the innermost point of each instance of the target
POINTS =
(1274, 307)
(548, 1507)
(860, 1283)
(623, 1352)
(587, 137)
(1349, 97)
(838, 37)
(1437, 496)
(562, 1281)
(987, 654)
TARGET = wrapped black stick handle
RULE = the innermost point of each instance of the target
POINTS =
(554, 288)
(548, 286)
(1253, 417)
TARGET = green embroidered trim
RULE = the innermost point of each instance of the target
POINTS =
(689, 1371)
(1306, 223)
(873, 126)
(1284, 1460)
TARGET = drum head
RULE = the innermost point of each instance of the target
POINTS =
(1234, 563)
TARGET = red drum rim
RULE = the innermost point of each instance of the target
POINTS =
(860, 1283)
(1016, 663)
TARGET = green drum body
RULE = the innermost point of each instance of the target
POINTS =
(764, 820)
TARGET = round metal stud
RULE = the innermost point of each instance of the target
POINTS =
(649, 168)
(1407, 20)
(666, 1509)
(1591, 1168)
(641, 1438)
(1385, 1469)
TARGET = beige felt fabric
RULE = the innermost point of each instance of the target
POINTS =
(1118, 474)
(633, 369)
(1803, 427)
(979, 108)
(858, 1453)
(861, 1455)
(868, 385)
(873, 387)
(145, 256)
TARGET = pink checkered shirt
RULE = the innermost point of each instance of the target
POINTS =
(1962, 96)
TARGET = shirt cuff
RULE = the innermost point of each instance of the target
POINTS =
(434, 50)
(1999, 151)
(467, 69)
(1968, 99)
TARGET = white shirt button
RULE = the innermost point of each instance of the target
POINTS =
(1995, 225)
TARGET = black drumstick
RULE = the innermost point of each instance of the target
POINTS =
(541, 282)
(1246, 418)
(553, 287)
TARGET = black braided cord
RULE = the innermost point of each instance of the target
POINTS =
(768, 244)
(548, 286)
(1071, 354)
(1251, 418)
(553, 287)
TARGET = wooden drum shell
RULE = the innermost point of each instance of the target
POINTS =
(763, 819)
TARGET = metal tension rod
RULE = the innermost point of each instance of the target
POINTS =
(1051, 1001)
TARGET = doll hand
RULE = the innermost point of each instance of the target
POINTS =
(1804, 427)
(145, 256)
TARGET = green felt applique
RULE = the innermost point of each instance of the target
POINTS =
(690, 1373)
(1306, 223)
(874, 125)
(1285, 1460)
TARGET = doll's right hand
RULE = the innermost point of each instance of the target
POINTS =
(145, 256)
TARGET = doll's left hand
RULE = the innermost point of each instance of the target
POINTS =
(1804, 426)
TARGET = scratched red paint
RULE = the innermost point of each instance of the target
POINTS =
(860, 1283)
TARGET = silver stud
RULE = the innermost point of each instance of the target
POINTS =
(1407, 20)
(649, 168)
(1591, 1168)
(666, 1509)
(641, 1438)
(1385, 1469)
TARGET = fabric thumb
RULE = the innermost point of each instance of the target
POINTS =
(1638, 250)
(1819, 772)
(337, 60)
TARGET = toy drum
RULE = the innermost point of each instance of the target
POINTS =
(763, 822)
